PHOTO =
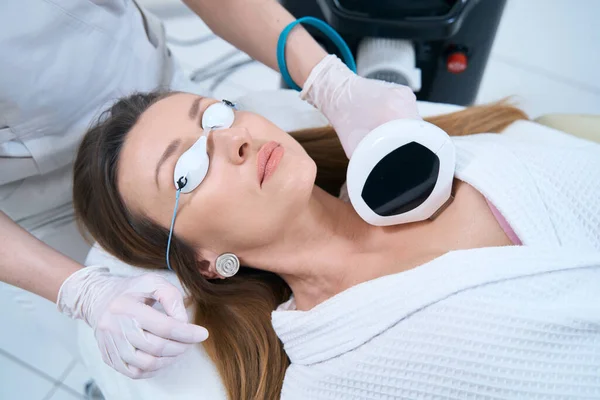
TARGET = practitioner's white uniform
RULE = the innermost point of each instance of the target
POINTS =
(63, 61)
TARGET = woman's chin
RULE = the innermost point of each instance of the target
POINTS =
(307, 172)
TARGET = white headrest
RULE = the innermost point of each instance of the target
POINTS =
(285, 109)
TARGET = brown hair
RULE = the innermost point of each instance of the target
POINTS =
(237, 310)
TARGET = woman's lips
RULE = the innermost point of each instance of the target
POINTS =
(269, 156)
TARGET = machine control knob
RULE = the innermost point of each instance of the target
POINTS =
(457, 62)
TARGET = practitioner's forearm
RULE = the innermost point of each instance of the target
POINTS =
(254, 26)
(30, 264)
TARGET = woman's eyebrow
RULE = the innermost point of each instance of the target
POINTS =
(193, 113)
(167, 153)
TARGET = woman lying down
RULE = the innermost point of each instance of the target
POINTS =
(497, 297)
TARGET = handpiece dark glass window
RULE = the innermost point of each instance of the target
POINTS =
(402, 180)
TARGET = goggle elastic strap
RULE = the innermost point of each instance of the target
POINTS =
(172, 224)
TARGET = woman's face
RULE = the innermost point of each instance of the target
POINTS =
(231, 210)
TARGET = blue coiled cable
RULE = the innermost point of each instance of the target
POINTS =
(324, 28)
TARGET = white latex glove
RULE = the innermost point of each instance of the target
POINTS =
(355, 105)
(134, 338)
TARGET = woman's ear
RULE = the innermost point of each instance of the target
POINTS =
(207, 265)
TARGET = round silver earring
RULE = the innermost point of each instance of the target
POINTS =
(227, 265)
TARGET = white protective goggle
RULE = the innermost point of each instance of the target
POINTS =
(192, 166)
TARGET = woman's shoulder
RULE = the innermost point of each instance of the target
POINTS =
(544, 181)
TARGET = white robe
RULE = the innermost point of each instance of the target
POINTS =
(506, 322)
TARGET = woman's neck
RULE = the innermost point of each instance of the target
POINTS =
(329, 249)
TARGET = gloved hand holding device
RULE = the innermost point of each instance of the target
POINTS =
(355, 105)
(401, 168)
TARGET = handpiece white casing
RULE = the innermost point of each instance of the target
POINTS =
(382, 141)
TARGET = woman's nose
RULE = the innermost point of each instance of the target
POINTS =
(233, 143)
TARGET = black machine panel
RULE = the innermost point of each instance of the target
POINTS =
(393, 9)
(452, 38)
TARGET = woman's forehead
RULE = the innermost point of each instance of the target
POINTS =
(167, 119)
(171, 109)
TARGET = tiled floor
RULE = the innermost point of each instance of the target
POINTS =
(545, 53)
